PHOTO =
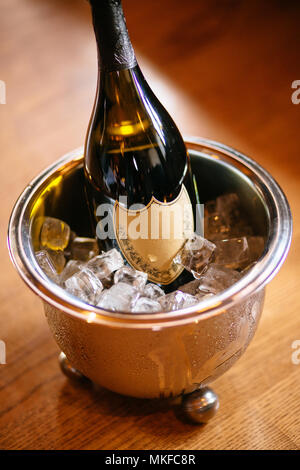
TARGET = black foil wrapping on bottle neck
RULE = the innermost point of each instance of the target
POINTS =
(115, 51)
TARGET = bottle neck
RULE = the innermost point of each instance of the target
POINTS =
(115, 51)
(123, 104)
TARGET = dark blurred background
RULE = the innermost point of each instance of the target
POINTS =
(224, 70)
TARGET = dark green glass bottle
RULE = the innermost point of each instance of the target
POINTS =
(137, 168)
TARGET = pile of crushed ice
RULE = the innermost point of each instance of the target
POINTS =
(105, 281)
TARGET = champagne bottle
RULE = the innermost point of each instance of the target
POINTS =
(137, 170)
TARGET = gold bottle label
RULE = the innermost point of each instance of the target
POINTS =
(150, 237)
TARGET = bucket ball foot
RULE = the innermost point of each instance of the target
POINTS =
(197, 407)
(70, 371)
(200, 406)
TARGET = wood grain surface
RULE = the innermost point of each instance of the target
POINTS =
(224, 70)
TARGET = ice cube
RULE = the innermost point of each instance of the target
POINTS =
(119, 297)
(228, 205)
(210, 207)
(241, 229)
(55, 234)
(72, 267)
(152, 291)
(84, 249)
(146, 305)
(58, 259)
(256, 246)
(130, 276)
(202, 295)
(224, 218)
(247, 268)
(108, 281)
(191, 288)
(177, 300)
(47, 266)
(215, 227)
(106, 263)
(217, 278)
(195, 255)
(232, 253)
(85, 285)
(67, 250)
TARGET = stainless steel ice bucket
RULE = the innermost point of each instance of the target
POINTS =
(163, 354)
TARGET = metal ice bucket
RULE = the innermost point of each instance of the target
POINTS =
(161, 354)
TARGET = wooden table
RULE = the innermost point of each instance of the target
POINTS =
(224, 70)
